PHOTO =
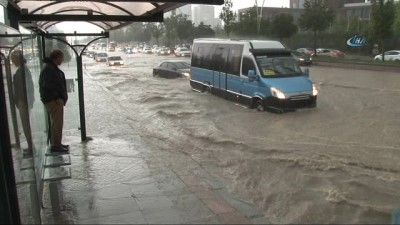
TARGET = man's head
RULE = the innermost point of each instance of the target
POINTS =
(17, 57)
(57, 56)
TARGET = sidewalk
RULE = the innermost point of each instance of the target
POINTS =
(123, 176)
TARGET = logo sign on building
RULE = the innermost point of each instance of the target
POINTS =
(356, 41)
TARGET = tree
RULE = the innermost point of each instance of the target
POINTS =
(184, 29)
(203, 31)
(141, 32)
(156, 30)
(283, 26)
(227, 16)
(170, 25)
(247, 25)
(316, 17)
(397, 19)
(382, 20)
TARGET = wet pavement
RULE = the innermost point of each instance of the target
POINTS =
(122, 175)
(156, 139)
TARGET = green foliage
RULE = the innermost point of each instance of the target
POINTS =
(283, 26)
(382, 20)
(203, 31)
(227, 16)
(184, 28)
(397, 19)
(247, 25)
(170, 25)
(317, 16)
(156, 30)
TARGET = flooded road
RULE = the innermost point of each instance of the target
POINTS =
(337, 163)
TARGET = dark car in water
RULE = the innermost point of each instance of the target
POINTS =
(302, 58)
(172, 69)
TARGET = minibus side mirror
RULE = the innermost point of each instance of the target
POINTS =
(307, 72)
(252, 75)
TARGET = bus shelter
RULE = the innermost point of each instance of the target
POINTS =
(26, 26)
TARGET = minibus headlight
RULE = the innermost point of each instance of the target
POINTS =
(314, 90)
(186, 74)
(277, 93)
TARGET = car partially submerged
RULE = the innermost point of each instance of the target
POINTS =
(115, 61)
(172, 69)
(101, 57)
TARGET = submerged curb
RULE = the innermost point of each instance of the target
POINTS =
(361, 66)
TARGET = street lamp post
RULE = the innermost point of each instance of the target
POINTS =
(259, 16)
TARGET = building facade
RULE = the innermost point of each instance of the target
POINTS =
(205, 14)
(271, 12)
(334, 4)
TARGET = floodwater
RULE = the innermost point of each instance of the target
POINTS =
(337, 163)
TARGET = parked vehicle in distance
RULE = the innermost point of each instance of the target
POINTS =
(90, 54)
(155, 50)
(308, 51)
(128, 50)
(302, 58)
(101, 57)
(164, 51)
(334, 53)
(147, 50)
(115, 61)
(172, 69)
(182, 51)
(257, 73)
(392, 55)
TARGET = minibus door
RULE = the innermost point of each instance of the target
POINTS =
(219, 60)
(248, 87)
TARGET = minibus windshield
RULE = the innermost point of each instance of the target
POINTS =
(278, 66)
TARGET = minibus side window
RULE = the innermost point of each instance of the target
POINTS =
(247, 65)
(219, 59)
(234, 60)
(201, 56)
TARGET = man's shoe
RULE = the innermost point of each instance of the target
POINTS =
(58, 149)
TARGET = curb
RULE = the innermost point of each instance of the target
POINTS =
(361, 66)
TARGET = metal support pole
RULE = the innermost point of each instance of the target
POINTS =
(8, 192)
(81, 98)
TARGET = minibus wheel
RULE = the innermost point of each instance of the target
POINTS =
(258, 105)
(208, 89)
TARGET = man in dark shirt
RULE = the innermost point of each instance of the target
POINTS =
(53, 93)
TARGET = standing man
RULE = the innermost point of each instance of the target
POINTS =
(53, 93)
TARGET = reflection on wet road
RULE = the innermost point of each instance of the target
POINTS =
(338, 163)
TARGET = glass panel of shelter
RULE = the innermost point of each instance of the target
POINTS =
(20, 92)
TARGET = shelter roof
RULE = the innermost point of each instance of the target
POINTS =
(106, 14)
